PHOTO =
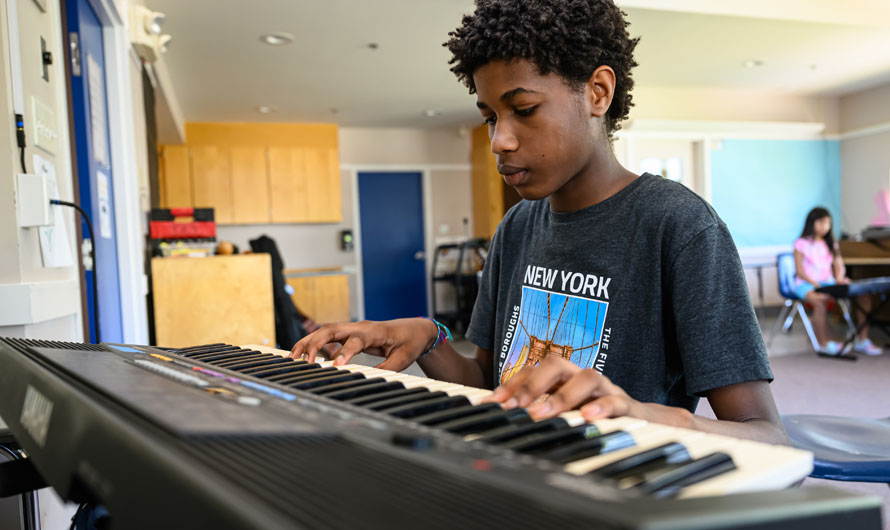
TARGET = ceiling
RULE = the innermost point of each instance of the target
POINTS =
(221, 71)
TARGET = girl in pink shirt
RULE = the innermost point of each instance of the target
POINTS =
(818, 263)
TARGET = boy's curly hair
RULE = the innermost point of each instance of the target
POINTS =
(568, 37)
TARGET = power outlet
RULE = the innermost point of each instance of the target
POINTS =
(33, 204)
(44, 126)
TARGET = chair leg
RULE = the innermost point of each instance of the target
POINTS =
(782, 314)
(789, 317)
(807, 324)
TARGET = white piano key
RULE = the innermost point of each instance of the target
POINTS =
(759, 467)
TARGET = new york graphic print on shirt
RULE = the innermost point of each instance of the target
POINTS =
(560, 313)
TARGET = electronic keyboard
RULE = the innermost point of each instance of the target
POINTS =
(243, 437)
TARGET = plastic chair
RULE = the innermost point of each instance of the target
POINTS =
(794, 306)
(851, 449)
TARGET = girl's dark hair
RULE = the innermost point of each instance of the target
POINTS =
(568, 37)
(809, 226)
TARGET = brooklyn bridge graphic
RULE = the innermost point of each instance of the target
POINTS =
(555, 324)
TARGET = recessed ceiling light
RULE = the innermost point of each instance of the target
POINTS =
(752, 63)
(267, 109)
(279, 38)
(430, 113)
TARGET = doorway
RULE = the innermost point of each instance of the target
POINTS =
(392, 244)
(94, 173)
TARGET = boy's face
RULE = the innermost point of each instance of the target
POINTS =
(539, 127)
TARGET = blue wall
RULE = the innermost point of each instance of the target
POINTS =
(763, 189)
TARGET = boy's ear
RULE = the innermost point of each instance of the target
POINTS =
(601, 89)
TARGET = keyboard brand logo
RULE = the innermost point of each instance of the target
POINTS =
(36, 413)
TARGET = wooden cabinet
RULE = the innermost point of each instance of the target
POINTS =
(211, 181)
(488, 204)
(256, 173)
(175, 177)
(324, 298)
(216, 299)
(250, 188)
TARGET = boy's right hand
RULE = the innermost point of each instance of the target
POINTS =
(400, 341)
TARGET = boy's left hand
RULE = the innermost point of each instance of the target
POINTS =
(569, 387)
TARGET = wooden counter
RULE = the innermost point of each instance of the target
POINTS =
(321, 293)
(215, 299)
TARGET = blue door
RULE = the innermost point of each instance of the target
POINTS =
(393, 261)
(94, 175)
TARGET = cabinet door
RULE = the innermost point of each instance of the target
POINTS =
(175, 181)
(288, 185)
(250, 187)
(212, 182)
(324, 298)
(304, 294)
(332, 299)
(323, 171)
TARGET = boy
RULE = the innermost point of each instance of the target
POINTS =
(616, 293)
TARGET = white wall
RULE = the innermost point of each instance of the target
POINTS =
(665, 103)
(865, 157)
(22, 265)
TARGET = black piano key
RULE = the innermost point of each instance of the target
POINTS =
(346, 385)
(249, 359)
(326, 380)
(204, 346)
(210, 357)
(546, 441)
(368, 390)
(486, 421)
(249, 366)
(442, 416)
(306, 375)
(633, 467)
(511, 432)
(221, 351)
(669, 482)
(426, 406)
(598, 445)
(199, 350)
(383, 396)
(284, 368)
(301, 369)
(404, 399)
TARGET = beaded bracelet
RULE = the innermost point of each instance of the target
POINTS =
(443, 335)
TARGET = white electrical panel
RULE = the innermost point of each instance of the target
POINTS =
(32, 201)
(44, 126)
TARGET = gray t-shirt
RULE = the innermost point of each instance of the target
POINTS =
(645, 287)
